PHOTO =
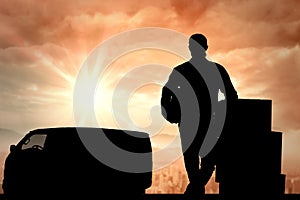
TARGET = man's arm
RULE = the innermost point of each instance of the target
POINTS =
(231, 93)
(170, 108)
(165, 101)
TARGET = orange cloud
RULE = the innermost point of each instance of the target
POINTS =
(44, 43)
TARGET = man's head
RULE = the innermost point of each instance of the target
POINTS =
(197, 39)
(197, 44)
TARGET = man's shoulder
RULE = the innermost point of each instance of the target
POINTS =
(182, 67)
(218, 65)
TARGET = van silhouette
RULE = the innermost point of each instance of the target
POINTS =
(54, 162)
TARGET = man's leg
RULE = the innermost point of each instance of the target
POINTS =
(199, 177)
(207, 168)
(196, 186)
(192, 164)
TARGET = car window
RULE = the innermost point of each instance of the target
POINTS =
(34, 140)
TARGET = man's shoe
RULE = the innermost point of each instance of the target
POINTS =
(194, 192)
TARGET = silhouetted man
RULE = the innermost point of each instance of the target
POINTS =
(195, 96)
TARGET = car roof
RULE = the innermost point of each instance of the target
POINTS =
(73, 130)
(67, 134)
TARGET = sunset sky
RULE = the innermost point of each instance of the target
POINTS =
(44, 44)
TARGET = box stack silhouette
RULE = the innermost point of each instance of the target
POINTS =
(250, 160)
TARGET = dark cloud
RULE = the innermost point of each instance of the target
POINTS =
(190, 12)
(240, 24)
(264, 11)
(229, 24)
(38, 22)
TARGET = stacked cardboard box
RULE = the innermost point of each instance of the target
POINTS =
(251, 156)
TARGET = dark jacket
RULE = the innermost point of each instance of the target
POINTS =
(187, 90)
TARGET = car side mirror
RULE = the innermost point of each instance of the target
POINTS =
(12, 148)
